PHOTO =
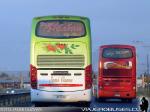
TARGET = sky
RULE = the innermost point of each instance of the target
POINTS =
(112, 22)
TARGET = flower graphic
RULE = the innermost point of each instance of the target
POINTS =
(51, 47)
(59, 47)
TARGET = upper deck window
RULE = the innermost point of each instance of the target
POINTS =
(117, 53)
(60, 29)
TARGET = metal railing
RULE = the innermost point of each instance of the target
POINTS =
(144, 91)
(15, 100)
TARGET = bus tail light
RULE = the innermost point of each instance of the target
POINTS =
(134, 87)
(33, 76)
(88, 77)
(100, 87)
(134, 82)
(100, 65)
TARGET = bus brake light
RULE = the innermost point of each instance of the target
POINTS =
(88, 77)
(33, 76)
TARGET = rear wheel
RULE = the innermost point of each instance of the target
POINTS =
(85, 104)
(40, 104)
(127, 100)
(37, 104)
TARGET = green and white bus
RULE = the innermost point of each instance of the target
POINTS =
(60, 60)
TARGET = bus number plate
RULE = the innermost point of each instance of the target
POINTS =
(61, 96)
(118, 95)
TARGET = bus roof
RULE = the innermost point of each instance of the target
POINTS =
(60, 17)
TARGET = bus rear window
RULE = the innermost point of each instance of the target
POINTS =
(60, 29)
(117, 53)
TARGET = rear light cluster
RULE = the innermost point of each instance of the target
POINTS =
(134, 88)
(134, 84)
(33, 76)
(88, 77)
(100, 87)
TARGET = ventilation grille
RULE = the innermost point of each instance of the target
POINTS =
(61, 60)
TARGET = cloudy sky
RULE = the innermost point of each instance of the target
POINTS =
(112, 22)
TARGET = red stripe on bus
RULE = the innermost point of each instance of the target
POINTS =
(61, 85)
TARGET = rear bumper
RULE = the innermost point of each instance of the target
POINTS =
(45, 96)
(112, 94)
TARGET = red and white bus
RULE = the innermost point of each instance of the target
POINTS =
(117, 72)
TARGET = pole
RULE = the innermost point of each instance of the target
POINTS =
(147, 64)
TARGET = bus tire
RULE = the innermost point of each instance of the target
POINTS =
(37, 104)
(129, 100)
(124, 100)
(87, 104)
(101, 99)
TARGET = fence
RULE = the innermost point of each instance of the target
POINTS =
(15, 100)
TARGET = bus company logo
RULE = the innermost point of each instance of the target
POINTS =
(61, 79)
(60, 48)
(115, 65)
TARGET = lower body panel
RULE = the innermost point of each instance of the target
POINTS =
(47, 96)
(118, 94)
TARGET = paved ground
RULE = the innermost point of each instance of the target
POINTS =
(110, 105)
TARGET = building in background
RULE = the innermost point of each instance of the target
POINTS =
(139, 82)
(143, 80)
(18, 81)
(9, 84)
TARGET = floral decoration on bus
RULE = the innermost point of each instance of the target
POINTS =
(114, 65)
(60, 48)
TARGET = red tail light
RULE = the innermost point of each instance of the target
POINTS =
(33, 76)
(88, 77)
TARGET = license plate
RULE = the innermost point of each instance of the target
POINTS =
(60, 96)
(118, 95)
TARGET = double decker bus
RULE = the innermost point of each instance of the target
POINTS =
(117, 72)
(60, 64)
